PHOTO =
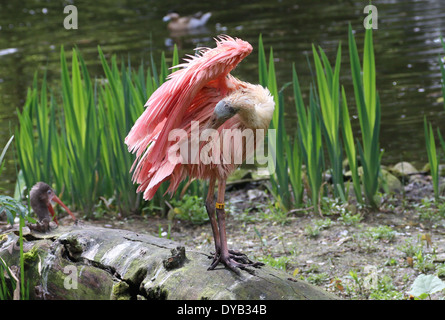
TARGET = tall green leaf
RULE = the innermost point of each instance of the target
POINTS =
(433, 158)
(368, 108)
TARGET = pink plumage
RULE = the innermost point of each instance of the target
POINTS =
(190, 94)
(199, 111)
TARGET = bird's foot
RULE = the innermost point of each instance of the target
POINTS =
(43, 226)
(233, 261)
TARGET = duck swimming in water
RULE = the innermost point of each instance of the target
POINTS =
(178, 23)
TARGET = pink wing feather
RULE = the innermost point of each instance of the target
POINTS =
(190, 94)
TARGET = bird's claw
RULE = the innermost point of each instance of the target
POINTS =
(234, 261)
(40, 226)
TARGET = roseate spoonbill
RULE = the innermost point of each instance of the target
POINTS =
(201, 93)
(178, 23)
(41, 195)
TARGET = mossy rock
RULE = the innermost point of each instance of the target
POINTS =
(86, 263)
(345, 164)
(240, 174)
(390, 183)
(426, 168)
(403, 170)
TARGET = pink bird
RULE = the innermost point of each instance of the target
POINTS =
(202, 96)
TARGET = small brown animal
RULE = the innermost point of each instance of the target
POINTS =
(41, 195)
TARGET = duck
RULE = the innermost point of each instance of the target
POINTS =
(41, 195)
(178, 23)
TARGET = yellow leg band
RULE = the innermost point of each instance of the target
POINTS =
(219, 205)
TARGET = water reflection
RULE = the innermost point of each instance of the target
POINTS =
(407, 50)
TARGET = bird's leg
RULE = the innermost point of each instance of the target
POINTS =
(210, 207)
(231, 259)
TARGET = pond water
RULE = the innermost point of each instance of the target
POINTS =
(407, 49)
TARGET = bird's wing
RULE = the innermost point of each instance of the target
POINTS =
(186, 92)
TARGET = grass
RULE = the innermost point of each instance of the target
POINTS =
(385, 276)
(324, 124)
(275, 213)
(373, 286)
(350, 147)
(419, 255)
(275, 262)
(2, 155)
(317, 278)
(318, 225)
(279, 143)
(189, 208)
(385, 233)
(14, 288)
(53, 139)
(349, 219)
(84, 128)
(328, 92)
(430, 212)
(310, 139)
(430, 140)
(433, 157)
(368, 109)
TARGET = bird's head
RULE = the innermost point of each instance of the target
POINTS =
(224, 110)
(42, 194)
(253, 103)
(171, 16)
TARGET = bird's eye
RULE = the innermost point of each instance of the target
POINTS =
(49, 191)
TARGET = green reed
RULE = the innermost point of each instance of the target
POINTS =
(326, 118)
(310, 138)
(350, 147)
(329, 100)
(12, 208)
(76, 141)
(2, 155)
(286, 169)
(430, 142)
(433, 157)
(368, 108)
